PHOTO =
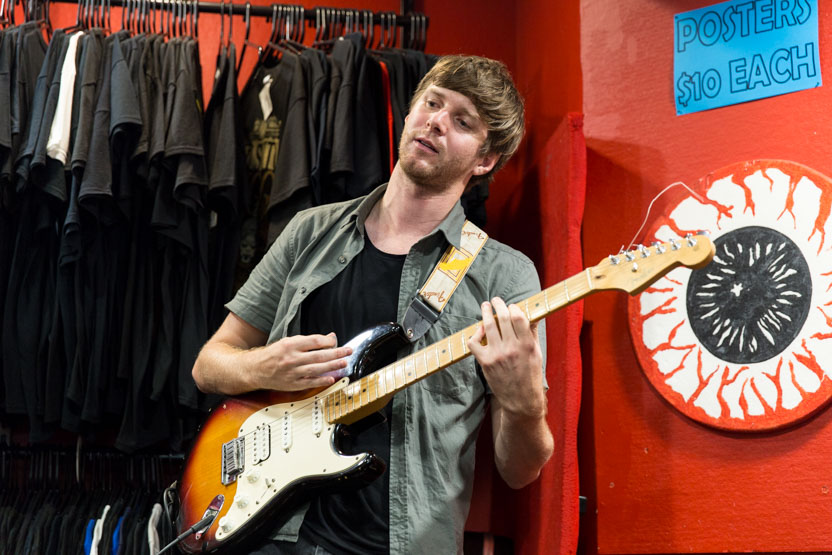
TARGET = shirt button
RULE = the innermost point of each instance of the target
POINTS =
(303, 289)
(342, 259)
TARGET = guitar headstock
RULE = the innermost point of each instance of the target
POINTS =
(634, 270)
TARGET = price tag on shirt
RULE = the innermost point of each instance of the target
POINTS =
(265, 96)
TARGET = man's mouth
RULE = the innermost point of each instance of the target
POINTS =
(427, 144)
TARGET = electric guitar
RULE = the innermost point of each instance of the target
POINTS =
(258, 455)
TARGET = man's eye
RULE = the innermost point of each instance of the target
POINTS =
(464, 124)
(431, 103)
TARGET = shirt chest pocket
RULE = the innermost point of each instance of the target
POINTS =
(459, 380)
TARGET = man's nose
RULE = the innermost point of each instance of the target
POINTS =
(439, 120)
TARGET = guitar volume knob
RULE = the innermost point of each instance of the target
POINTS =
(226, 524)
(252, 476)
(242, 502)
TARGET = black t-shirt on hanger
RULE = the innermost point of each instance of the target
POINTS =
(225, 188)
(291, 191)
(264, 123)
(40, 114)
(317, 79)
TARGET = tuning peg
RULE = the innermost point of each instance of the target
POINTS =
(629, 256)
(614, 260)
(659, 247)
(645, 252)
(691, 241)
(674, 245)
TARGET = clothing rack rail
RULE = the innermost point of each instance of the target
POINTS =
(413, 25)
(237, 8)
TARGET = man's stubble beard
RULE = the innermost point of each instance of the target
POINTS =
(433, 178)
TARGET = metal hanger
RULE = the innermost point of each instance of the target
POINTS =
(247, 19)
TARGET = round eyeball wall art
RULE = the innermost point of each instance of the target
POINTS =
(745, 343)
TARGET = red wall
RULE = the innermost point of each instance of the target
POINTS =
(661, 483)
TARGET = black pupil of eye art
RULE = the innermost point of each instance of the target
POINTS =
(751, 302)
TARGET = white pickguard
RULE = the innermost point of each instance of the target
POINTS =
(300, 448)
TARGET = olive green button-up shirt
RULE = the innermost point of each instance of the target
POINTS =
(435, 422)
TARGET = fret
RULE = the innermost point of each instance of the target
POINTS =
(400, 375)
(428, 369)
(382, 383)
(432, 354)
(443, 356)
(463, 342)
(345, 402)
(372, 387)
(390, 378)
(451, 348)
(537, 311)
(546, 300)
(338, 403)
(410, 369)
(365, 390)
(420, 365)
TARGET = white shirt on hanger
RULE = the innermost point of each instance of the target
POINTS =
(58, 143)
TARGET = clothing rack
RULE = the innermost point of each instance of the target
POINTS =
(101, 468)
(408, 21)
(413, 25)
(261, 11)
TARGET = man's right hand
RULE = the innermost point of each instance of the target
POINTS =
(237, 360)
(299, 362)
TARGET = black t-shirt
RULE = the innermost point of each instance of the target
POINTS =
(263, 133)
(317, 78)
(29, 57)
(290, 190)
(7, 46)
(40, 114)
(366, 294)
(224, 153)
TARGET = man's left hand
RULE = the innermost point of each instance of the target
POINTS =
(511, 359)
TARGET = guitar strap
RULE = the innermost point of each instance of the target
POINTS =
(427, 305)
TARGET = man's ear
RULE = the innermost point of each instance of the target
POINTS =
(486, 163)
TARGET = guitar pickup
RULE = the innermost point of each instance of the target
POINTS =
(261, 441)
(233, 460)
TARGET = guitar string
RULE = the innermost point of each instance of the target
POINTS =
(398, 368)
(650, 206)
(303, 404)
(392, 367)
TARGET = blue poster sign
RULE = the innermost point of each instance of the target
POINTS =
(743, 50)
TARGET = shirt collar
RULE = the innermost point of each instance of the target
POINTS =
(450, 227)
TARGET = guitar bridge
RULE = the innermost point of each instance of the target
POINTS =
(233, 460)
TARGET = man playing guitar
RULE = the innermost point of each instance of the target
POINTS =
(338, 269)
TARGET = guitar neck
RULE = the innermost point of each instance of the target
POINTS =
(395, 377)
